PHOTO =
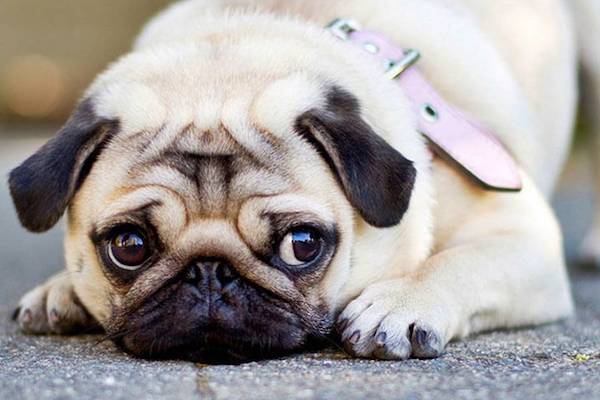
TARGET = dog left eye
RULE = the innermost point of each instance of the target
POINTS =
(300, 246)
(128, 250)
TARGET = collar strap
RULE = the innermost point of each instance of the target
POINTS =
(454, 136)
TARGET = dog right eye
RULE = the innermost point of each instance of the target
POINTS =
(300, 246)
(128, 250)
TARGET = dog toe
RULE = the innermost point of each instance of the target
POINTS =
(396, 347)
(32, 317)
(52, 308)
(357, 337)
(426, 342)
(64, 313)
(396, 321)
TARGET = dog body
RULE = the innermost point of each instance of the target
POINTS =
(233, 124)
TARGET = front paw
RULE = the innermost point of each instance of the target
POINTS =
(396, 320)
(52, 307)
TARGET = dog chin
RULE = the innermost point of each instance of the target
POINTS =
(180, 322)
(210, 347)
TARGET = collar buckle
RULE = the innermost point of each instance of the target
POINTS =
(342, 28)
(397, 68)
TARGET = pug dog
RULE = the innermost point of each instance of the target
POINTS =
(244, 182)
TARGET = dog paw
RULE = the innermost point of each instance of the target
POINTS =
(396, 320)
(52, 308)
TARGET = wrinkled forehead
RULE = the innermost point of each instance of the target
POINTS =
(208, 170)
(212, 149)
(207, 86)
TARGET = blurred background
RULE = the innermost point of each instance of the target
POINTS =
(50, 50)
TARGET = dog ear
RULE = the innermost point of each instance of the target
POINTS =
(377, 179)
(43, 185)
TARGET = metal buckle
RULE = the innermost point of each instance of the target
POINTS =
(397, 68)
(342, 28)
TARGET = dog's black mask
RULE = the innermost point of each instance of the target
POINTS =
(211, 314)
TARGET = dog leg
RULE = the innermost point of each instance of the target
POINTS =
(496, 282)
(53, 307)
(588, 21)
(503, 267)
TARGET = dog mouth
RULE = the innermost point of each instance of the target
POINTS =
(217, 346)
(181, 322)
(209, 348)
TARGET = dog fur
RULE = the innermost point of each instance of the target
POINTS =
(261, 85)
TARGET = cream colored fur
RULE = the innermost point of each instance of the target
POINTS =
(463, 259)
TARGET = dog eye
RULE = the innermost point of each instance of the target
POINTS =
(300, 246)
(128, 250)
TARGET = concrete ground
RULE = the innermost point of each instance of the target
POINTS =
(558, 361)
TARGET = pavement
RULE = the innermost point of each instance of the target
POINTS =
(556, 361)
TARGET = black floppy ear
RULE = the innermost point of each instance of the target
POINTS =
(377, 180)
(43, 185)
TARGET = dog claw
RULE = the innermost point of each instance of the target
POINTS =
(381, 339)
(54, 317)
(16, 313)
(341, 326)
(354, 338)
(425, 343)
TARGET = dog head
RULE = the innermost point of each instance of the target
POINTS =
(215, 199)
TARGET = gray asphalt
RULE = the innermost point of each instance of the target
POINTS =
(558, 361)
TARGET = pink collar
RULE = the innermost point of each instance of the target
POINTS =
(454, 136)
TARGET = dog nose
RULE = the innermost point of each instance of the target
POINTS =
(216, 273)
